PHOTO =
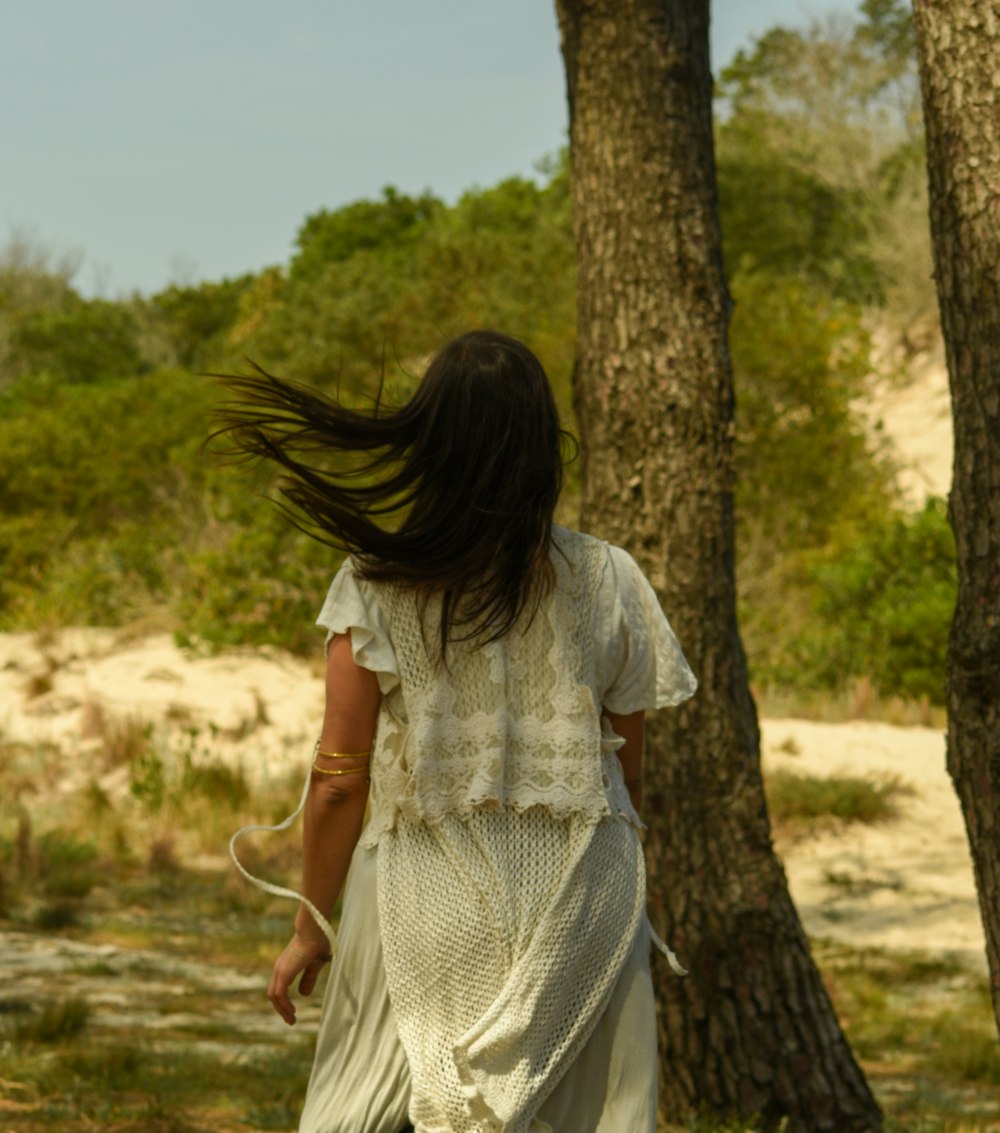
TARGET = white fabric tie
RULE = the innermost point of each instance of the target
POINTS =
(280, 890)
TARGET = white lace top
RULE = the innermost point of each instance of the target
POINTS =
(515, 723)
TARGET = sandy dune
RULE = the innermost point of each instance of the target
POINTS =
(914, 416)
(905, 884)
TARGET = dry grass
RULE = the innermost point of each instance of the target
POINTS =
(859, 701)
(802, 802)
(121, 872)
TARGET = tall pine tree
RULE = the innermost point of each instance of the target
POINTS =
(751, 1029)
(958, 47)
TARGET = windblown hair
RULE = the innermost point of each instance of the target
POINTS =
(451, 494)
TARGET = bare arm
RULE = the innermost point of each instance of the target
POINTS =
(333, 818)
(630, 728)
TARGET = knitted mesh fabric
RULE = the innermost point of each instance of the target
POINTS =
(504, 934)
(514, 723)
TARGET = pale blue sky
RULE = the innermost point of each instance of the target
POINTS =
(180, 140)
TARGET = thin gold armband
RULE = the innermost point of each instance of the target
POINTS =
(341, 754)
(338, 770)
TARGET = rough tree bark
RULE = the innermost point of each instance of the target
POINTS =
(751, 1029)
(958, 47)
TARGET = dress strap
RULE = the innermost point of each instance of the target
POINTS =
(667, 951)
(280, 890)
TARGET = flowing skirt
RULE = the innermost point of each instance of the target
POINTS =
(515, 953)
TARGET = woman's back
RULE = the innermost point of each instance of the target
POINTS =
(514, 722)
(484, 655)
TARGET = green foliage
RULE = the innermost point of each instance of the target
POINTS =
(884, 600)
(391, 225)
(381, 282)
(94, 480)
(820, 155)
(504, 257)
(192, 326)
(147, 780)
(967, 1051)
(47, 328)
(804, 461)
(256, 580)
(84, 340)
(794, 222)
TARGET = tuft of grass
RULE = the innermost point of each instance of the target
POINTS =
(58, 1022)
(801, 800)
(112, 1066)
(217, 782)
(56, 915)
(965, 1051)
(163, 855)
(125, 740)
(65, 865)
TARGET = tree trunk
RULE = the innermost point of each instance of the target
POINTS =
(751, 1029)
(958, 46)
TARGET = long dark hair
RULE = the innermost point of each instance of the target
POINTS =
(451, 494)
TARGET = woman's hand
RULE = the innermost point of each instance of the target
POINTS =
(299, 956)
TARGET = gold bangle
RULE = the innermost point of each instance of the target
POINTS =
(341, 754)
(323, 959)
(338, 770)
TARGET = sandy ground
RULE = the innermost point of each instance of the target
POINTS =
(902, 884)
(905, 884)
(915, 418)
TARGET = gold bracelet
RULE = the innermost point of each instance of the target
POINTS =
(324, 959)
(338, 770)
(341, 754)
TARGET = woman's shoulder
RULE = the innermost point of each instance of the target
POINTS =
(577, 545)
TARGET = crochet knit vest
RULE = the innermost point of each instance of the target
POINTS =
(513, 723)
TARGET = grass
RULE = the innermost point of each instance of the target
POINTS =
(128, 1085)
(151, 1023)
(859, 700)
(797, 801)
(60, 1020)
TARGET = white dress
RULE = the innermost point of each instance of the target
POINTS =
(510, 935)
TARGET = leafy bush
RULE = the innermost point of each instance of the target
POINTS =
(95, 482)
(884, 603)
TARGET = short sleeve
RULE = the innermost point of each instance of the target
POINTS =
(645, 667)
(352, 605)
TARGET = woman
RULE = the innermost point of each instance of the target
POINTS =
(487, 677)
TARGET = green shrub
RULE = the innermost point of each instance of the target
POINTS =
(884, 603)
(806, 799)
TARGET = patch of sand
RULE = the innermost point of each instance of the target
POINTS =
(259, 707)
(902, 884)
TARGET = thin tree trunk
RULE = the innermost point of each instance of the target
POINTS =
(958, 47)
(751, 1029)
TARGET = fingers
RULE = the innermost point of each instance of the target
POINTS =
(283, 975)
(310, 976)
(277, 993)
